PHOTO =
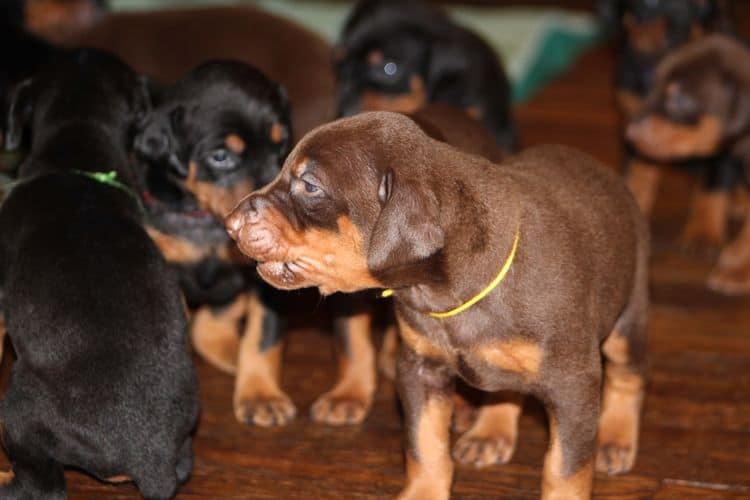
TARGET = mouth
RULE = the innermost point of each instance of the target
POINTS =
(284, 275)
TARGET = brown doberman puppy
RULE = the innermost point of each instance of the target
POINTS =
(699, 107)
(515, 276)
(166, 44)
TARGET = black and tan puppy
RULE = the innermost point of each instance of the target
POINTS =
(103, 380)
(397, 55)
(221, 131)
(514, 276)
(700, 107)
(649, 31)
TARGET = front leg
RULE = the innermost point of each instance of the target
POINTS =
(425, 387)
(573, 410)
(706, 226)
(258, 398)
(350, 399)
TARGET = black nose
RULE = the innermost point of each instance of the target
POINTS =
(153, 144)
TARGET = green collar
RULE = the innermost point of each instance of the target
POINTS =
(110, 179)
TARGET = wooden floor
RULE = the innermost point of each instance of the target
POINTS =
(695, 439)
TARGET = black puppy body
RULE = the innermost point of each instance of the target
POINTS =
(648, 31)
(103, 380)
(398, 55)
(218, 133)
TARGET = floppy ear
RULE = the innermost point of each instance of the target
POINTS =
(142, 100)
(19, 114)
(448, 71)
(406, 233)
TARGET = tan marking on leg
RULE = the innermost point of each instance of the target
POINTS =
(464, 414)
(492, 439)
(555, 484)
(419, 343)
(643, 180)
(175, 249)
(430, 473)
(616, 348)
(351, 398)
(664, 140)
(6, 477)
(731, 281)
(235, 144)
(407, 102)
(517, 356)
(707, 222)
(620, 419)
(258, 398)
(216, 336)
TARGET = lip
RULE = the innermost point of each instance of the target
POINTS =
(281, 274)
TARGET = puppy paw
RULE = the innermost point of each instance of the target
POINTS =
(265, 412)
(340, 409)
(483, 451)
(613, 458)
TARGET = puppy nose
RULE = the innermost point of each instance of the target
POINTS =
(153, 143)
(247, 212)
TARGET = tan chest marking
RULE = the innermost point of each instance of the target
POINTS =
(518, 356)
(419, 343)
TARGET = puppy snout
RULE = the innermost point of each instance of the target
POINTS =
(153, 144)
(247, 212)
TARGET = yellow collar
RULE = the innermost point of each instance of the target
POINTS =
(480, 295)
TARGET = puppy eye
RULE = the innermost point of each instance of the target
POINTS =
(390, 68)
(221, 159)
(310, 188)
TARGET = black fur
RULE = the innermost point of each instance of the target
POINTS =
(457, 66)
(103, 380)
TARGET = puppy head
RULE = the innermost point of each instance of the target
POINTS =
(652, 27)
(351, 209)
(701, 101)
(384, 58)
(220, 132)
(80, 86)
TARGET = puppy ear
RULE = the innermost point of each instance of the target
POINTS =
(142, 101)
(19, 114)
(406, 233)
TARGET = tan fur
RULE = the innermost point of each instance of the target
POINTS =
(235, 143)
(6, 477)
(388, 351)
(277, 133)
(630, 104)
(258, 398)
(556, 485)
(620, 419)
(119, 479)
(215, 335)
(419, 343)
(664, 140)
(643, 181)
(492, 438)
(616, 348)
(217, 200)
(58, 19)
(350, 400)
(430, 473)
(403, 103)
(517, 356)
(176, 249)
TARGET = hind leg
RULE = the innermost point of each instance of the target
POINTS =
(33, 477)
(624, 370)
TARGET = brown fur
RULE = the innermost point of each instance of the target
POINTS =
(215, 333)
(436, 228)
(58, 20)
(647, 37)
(643, 180)
(166, 44)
